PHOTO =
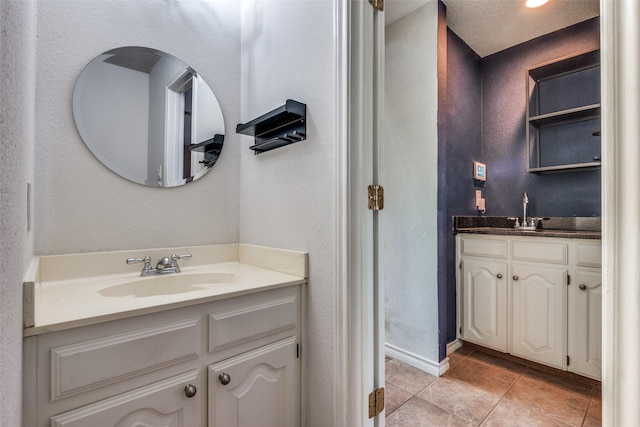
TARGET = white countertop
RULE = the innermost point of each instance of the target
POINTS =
(64, 301)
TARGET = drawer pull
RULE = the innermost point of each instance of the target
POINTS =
(499, 276)
(515, 277)
(224, 378)
(190, 390)
(583, 287)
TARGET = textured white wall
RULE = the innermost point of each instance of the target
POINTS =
(17, 68)
(81, 206)
(409, 174)
(288, 194)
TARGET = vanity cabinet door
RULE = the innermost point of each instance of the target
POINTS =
(538, 302)
(258, 388)
(586, 324)
(162, 404)
(484, 296)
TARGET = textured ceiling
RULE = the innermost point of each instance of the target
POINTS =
(489, 26)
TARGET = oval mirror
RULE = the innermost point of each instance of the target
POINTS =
(148, 116)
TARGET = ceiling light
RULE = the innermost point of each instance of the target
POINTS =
(535, 3)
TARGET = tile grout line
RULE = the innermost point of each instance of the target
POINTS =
(542, 413)
(503, 395)
(528, 369)
(412, 396)
(584, 418)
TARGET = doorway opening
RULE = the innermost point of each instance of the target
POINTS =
(465, 132)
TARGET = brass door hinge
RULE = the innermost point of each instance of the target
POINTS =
(378, 4)
(375, 195)
(568, 279)
(568, 360)
(376, 402)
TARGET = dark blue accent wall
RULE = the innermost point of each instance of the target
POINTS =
(504, 135)
(463, 145)
(485, 121)
(443, 118)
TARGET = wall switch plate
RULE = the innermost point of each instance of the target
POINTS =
(479, 171)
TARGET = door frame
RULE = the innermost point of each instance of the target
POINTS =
(357, 362)
(620, 73)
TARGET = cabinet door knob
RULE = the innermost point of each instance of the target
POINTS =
(515, 277)
(499, 276)
(224, 378)
(583, 287)
(190, 390)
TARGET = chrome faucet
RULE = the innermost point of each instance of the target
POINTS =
(529, 224)
(165, 265)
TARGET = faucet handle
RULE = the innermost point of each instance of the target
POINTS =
(147, 263)
(146, 260)
(535, 220)
(175, 257)
(516, 219)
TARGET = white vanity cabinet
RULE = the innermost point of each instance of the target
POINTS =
(485, 303)
(483, 291)
(538, 298)
(538, 306)
(257, 388)
(585, 311)
(162, 369)
(161, 404)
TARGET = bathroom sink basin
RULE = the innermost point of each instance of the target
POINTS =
(167, 285)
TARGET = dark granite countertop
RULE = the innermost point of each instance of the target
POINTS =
(565, 227)
(573, 234)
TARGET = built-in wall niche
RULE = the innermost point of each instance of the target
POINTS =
(563, 114)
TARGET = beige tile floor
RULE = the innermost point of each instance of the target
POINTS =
(484, 390)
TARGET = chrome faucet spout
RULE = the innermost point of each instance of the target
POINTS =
(165, 265)
(525, 201)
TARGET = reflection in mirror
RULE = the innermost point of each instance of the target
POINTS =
(148, 116)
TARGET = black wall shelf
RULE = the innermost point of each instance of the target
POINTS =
(283, 126)
(211, 149)
(209, 145)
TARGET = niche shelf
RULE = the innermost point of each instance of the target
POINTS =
(563, 109)
(283, 126)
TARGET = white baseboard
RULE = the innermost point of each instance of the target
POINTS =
(453, 346)
(429, 366)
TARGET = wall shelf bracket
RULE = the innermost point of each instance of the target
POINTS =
(211, 149)
(283, 126)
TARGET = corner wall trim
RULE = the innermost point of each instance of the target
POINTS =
(453, 346)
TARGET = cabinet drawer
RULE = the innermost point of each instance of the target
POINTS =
(231, 327)
(556, 253)
(91, 364)
(483, 247)
(589, 256)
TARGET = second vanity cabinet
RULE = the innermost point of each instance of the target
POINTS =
(231, 362)
(534, 297)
